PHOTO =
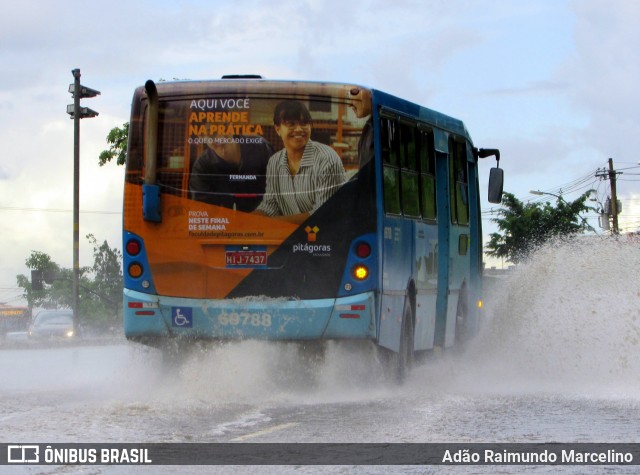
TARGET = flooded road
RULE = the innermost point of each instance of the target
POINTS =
(558, 360)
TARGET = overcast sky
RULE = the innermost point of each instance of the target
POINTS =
(552, 83)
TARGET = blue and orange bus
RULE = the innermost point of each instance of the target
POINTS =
(300, 211)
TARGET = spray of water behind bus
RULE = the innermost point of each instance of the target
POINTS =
(564, 322)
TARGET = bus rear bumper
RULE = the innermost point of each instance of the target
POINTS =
(150, 316)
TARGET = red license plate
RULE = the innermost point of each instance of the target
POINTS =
(246, 258)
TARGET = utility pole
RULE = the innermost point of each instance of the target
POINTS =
(76, 112)
(614, 198)
(613, 206)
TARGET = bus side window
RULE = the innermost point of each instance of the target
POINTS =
(409, 174)
(427, 156)
(391, 172)
(458, 182)
(389, 141)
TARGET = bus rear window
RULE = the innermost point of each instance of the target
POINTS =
(216, 149)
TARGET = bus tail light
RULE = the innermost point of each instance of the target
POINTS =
(133, 247)
(363, 250)
(360, 272)
(135, 270)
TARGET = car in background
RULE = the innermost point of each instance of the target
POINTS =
(52, 325)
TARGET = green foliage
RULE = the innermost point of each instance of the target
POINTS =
(49, 298)
(525, 227)
(107, 280)
(100, 286)
(117, 139)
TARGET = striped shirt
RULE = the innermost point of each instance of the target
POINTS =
(321, 173)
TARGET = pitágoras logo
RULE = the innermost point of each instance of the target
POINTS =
(312, 233)
(313, 249)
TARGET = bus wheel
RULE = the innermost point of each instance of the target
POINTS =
(405, 354)
(463, 332)
(397, 365)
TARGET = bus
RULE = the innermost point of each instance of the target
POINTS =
(300, 211)
(13, 319)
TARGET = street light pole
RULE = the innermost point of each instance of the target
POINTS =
(540, 193)
(76, 112)
(76, 198)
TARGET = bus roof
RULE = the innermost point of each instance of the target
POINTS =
(424, 114)
(304, 89)
(255, 86)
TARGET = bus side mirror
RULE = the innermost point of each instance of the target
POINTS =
(496, 181)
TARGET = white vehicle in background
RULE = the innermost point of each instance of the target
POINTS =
(52, 325)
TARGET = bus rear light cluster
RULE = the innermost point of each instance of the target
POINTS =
(133, 248)
(359, 272)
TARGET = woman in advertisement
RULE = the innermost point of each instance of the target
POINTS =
(305, 173)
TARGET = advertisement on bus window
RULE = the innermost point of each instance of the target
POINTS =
(239, 176)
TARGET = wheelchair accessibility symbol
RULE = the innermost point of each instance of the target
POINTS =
(181, 317)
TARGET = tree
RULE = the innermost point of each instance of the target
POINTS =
(525, 227)
(57, 293)
(107, 272)
(100, 289)
(117, 139)
(42, 262)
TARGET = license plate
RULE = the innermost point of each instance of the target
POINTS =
(246, 258)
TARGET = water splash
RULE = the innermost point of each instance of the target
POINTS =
(568, 320)
(243, 372)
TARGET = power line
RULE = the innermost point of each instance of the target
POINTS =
(572, 185)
